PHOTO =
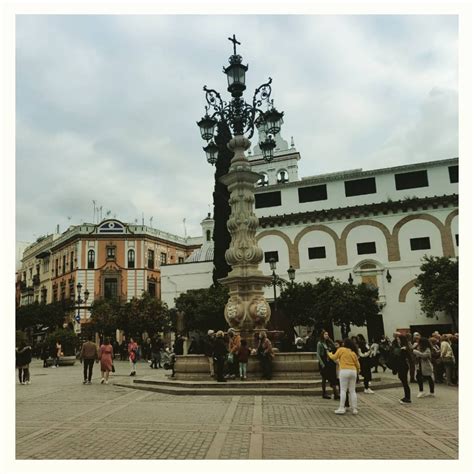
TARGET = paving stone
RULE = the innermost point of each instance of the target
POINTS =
(59, 418)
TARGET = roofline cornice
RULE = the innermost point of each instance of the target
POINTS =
(365, 210)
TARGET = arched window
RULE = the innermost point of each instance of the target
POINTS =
(208, 235)
(90, 259)
(131, 258)
(263, 181)
(282, 176)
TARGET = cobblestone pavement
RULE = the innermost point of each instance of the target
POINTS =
(57, 417)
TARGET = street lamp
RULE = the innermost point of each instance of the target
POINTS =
(241, 117)
(291, 274)
(247, 308)
(79, 301)
(272, 263)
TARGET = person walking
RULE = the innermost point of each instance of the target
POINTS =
(58, 353)
(45, 354)
(401, 364)
(424, 367)
(208, 346)
(219, 354)
(327, 367)
(133, 356)
(156, 344)
(265, 354)
(349, 367)
(436, 359)
(243, 355)
(365, 362)
(24, 354)
(447, 358)
(88, 355)
(234, 346)
(106, 357)
(123, 350)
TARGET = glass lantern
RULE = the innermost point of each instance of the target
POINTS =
(211, 150)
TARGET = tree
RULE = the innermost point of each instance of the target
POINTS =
(221, 196)
(438, 287)
(68, 339)
(330, 301)
(50, 315)
(204, 308)
(146, 314)
(105, 317)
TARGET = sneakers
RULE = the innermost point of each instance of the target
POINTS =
(89, 382)
(27, 382)
(340, 411)
(430, 394)
(368, 390)
(84, 382)
(355, 411)
(106, 382)
(404, 401)
(421, 395)
(102, 380)
(132, 374)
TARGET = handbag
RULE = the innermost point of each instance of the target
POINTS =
(113, 368)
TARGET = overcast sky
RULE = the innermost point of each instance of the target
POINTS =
(107, 105)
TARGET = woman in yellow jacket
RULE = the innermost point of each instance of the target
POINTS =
(349, 367)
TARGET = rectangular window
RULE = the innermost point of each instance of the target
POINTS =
(413, 179)
(358, 187)
(110, 288)
(453, 174)
(268, 199)
(111, 253)
(64, 264)
(163, 258)
(45, 265)
(313, 193)
(316, 252)
(56, 267)
(90, 260)
(457, 240)
(131, 258)
(152, 288)
(365, 248)
(420, 243)
(269, 255)
(151, 259)
(71, 262)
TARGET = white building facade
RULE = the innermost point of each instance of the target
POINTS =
(367, 226)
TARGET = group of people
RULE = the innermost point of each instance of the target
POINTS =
(228, 354)
(413, 358)
(417, 359)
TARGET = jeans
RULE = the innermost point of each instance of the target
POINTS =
(420, 377)
(24, 374)
(403, 376)
(56, 361)
(243, 369)
(347, 380)
(133, 365)
(88, 365)
(448, 365)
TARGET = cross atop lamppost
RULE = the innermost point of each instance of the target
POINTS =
(234, 40)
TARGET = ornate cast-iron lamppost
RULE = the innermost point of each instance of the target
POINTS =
(78, 302)
(247, 308)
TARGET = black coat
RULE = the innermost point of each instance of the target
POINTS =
(208, 345)
(220, 349)
(24, 356)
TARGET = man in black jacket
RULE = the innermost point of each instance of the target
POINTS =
(219, 354)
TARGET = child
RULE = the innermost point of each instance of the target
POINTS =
(243, 358)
